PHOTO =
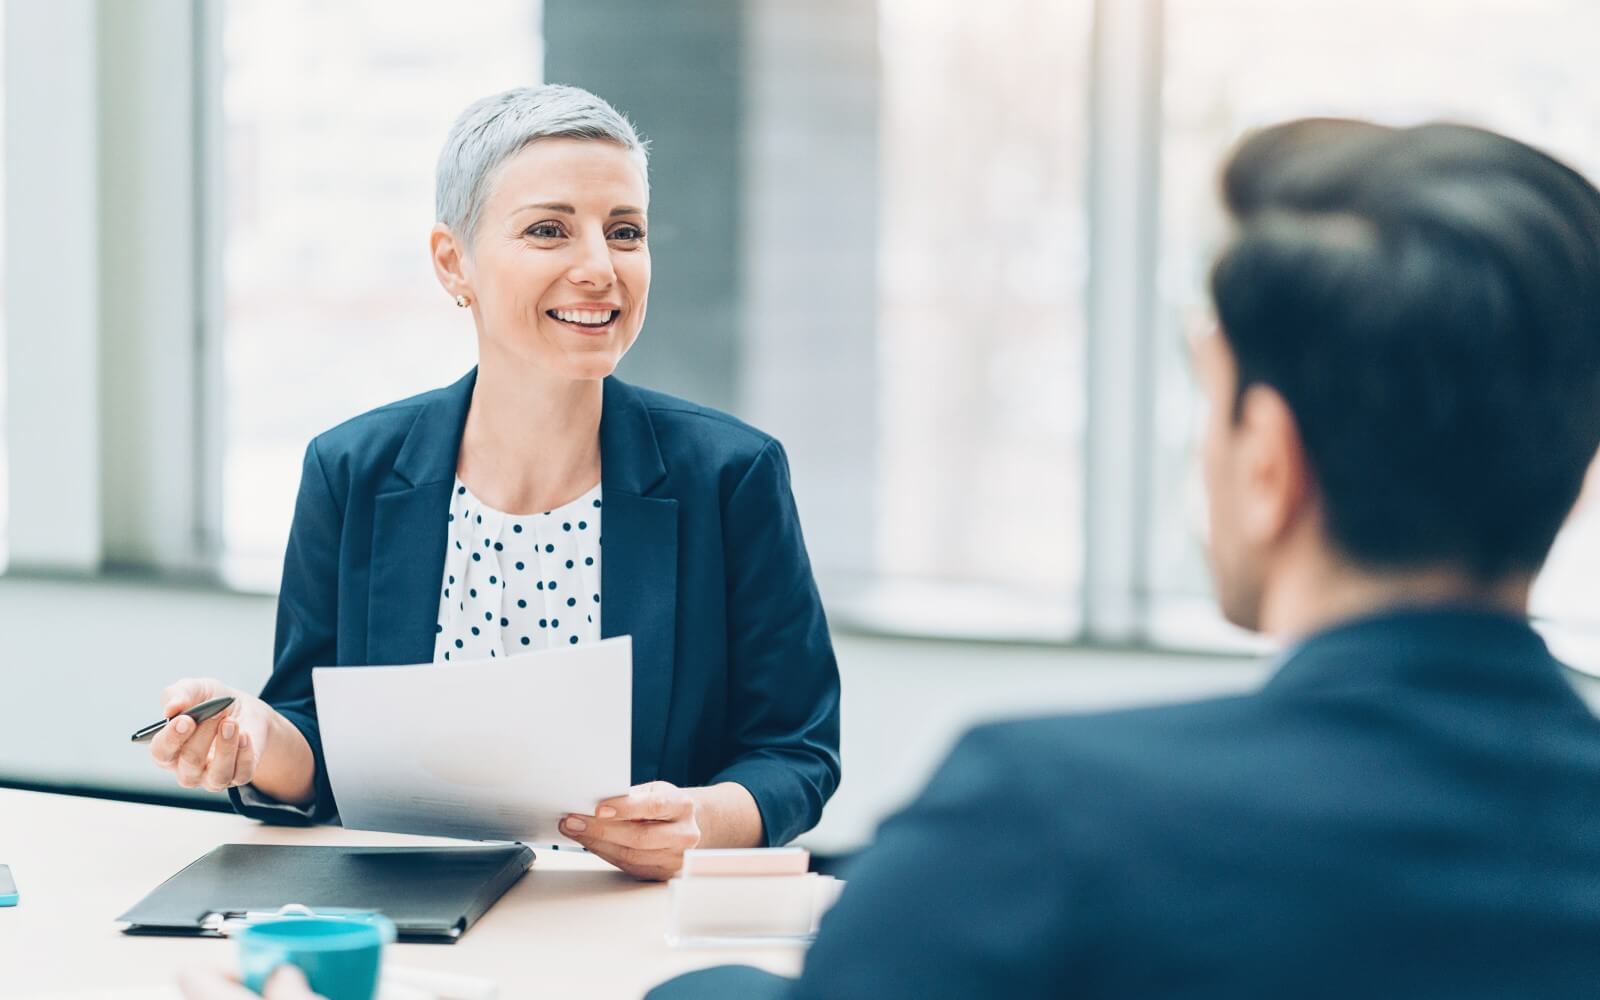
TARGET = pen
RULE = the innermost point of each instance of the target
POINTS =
(199, 713)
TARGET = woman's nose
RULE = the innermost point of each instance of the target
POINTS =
(593, 264)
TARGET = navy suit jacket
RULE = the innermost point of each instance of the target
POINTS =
(1409, 808)
(734, 677)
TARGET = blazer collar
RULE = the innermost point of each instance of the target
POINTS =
(429, 452)
(1461, 648)
(630, 456)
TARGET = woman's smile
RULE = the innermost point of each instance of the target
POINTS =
(595, 319)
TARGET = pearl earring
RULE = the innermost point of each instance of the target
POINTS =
(461, 300)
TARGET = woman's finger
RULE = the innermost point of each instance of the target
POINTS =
(642, 862)
(196, 750)
(645, 835)
(189, 692)
(168, 743)
(244, 767)
(657, 865)
(652, 800)
(218, 773)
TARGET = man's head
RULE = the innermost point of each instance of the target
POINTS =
(1407, 377)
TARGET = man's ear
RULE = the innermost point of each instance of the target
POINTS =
(449, 261)
(1276, 476)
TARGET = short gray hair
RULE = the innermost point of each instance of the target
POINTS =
(496, 128)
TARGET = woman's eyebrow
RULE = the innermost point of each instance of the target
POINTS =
(565, 209)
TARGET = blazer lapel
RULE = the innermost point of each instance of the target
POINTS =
(639, 569)
(409, 532)
(408, 539)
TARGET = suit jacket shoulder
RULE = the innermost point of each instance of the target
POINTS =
(1094, 781)
(363, 448)
(698, 440)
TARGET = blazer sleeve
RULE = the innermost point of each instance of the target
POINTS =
(307, 617)
(962, 895)
(784, 681)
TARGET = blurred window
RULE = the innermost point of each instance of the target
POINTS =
(333, 116)
(1524, 67)
(981, 314)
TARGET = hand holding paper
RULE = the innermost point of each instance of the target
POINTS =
(487, 750)
(644, 832)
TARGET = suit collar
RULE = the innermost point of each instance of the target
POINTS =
(630, 456)
(429, 452)
(1463, 648)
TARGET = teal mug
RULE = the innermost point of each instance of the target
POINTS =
(340, 956)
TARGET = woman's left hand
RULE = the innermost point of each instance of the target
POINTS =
(644, 832)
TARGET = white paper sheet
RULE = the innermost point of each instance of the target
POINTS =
(487, 750)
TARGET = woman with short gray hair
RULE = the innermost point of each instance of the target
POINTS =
(464, 524)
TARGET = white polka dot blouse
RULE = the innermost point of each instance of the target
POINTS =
(516, 583)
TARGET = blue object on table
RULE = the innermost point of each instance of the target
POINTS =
(8, 888)
(340, 956)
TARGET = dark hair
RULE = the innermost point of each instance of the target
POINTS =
(1427, 302)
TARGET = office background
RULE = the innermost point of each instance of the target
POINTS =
(948, 252)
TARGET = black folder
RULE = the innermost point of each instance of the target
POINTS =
(431, 893)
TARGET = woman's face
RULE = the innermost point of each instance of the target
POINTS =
(559, 271)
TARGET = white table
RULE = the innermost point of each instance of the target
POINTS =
(572, 927)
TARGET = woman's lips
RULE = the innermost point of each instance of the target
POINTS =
(590, 322)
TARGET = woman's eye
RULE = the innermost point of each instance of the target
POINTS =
(627, 233)
(545, 231)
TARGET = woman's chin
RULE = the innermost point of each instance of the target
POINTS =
(597, 362)
(588, 365)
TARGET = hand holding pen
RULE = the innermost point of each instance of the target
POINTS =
(216, 737)
(210, 737)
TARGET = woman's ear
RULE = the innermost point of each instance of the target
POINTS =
(449, 261)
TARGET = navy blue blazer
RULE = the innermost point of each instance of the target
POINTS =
(734, 676)
(1409, 808)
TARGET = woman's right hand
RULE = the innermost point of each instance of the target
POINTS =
(220, 753)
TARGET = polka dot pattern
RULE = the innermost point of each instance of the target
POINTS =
(522, 570)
